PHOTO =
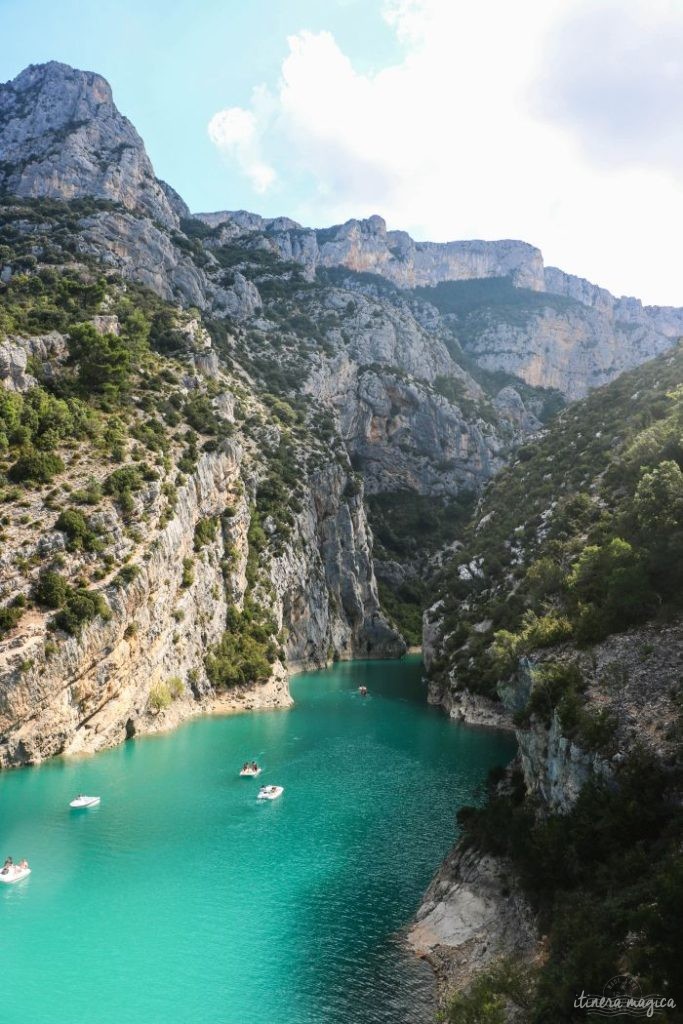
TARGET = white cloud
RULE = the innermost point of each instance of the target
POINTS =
(236, 133)
(477, 132)
(622, 98)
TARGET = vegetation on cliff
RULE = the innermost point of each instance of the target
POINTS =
(580, 537)
(606, 880)
(107, 418)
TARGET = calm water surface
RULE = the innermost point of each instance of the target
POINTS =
(181, 899)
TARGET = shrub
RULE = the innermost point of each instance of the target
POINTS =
(247, 650)
(658, 502)
(204, 532)
(126, 575)
(106, 361)
(554, 683)
(9, 616)
(201, 416)
(175, 687)
(188, 573)
(35, 467)
(79, 533)
(159, 697)
(51, 589)
(91, 494)
(81, 606)
(125, 479)
(536, 633)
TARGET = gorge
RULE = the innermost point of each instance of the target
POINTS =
(234, 447)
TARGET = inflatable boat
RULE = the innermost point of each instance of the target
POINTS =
(13, 874)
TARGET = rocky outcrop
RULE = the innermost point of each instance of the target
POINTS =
(631, 680)
(93, 691)
(572, 347)
(410, 416)
(579, 338)
(473, 913)
(63, 138)
(15, 352)
(367, 246)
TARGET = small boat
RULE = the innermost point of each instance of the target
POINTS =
(363, 691)
(250, 773)
(82, 801)
(270, 792)
(13, 873)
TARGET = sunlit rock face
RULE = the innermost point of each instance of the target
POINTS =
(63, 138)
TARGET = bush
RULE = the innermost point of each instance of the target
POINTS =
(51, 589)
(79, 533)
(107, 361)
(204, 532)
(555, 684)
(125, 479)
(35, 467)
(159, 697)
(175, 687)
(188, 573)
(126, 575)
(9, 616)
(247, 650)
(487, 999)
(81, 606)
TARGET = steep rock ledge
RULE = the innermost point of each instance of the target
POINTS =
(473, 914)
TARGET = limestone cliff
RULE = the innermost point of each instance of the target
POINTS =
(63, 138)
(91, 691)
(367, 246)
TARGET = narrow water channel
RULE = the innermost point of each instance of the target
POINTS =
(182, 899)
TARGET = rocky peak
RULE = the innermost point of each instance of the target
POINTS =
(62, 136)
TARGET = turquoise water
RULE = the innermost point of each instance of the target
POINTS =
(181, 899)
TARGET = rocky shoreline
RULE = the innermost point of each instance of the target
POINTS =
(472, 914)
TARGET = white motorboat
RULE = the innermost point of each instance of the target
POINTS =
(13, 873)
(270, 792)
(82, 801)
(250, 773)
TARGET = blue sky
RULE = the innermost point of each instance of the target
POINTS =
(550, 121)
(173, 64)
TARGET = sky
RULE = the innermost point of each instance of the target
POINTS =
(559, 122)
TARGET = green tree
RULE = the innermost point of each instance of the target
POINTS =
(658, 501)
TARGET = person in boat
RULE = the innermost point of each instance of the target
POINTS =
(23, 864)
(9, 863)
(254, 766)
(245, 766)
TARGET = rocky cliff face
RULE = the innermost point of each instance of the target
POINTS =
(473, 915)
(63, 138)
(572, 346)
(91, 691)
(367, 247)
